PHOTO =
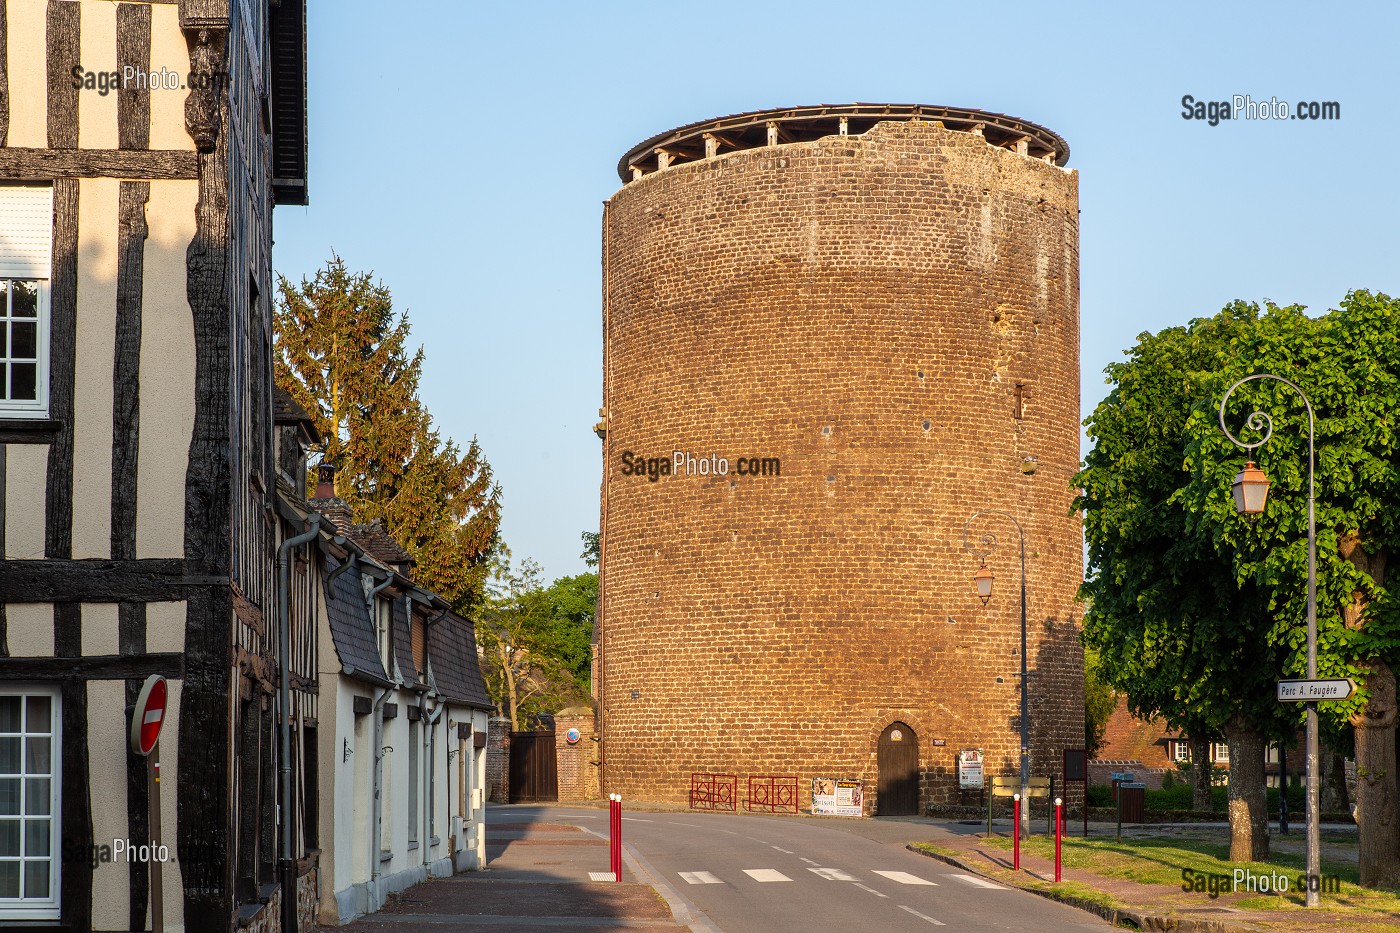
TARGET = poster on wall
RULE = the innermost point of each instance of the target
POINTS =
(837, 797)
(970, 768)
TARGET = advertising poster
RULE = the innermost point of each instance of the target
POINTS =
(970, 768)
(837, 797)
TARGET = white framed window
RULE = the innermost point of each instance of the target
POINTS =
(1181, 751)
(1220, 752)
(1271, 754)
(24, 348)
(29, 797)
(26, 242)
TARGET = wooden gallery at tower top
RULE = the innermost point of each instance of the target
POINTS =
(152, 481)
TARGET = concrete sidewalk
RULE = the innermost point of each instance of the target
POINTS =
(537, 881)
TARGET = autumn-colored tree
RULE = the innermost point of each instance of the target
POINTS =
(342, 354)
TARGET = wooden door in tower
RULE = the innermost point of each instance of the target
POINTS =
(898, 761)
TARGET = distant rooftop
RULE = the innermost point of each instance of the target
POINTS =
(709, 138)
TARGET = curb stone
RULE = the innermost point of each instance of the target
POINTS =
(1115, 915)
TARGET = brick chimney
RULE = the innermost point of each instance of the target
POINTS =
(325, 481)
(336, 510)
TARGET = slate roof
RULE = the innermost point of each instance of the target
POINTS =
(452, 654)
(352, 630)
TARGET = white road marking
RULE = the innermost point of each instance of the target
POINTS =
(678, 823)
(699, 877)
(903, 877)
(784, 851)
(766, 874)
(978, 882)
(831, 874)
(809, 861)
(633, 819)
(601, 876)
(871, 890)
(937, 923)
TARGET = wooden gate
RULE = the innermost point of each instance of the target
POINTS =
(898, 761)
(533, 777)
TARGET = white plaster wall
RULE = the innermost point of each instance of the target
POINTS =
(97, 51)
(168, 107)
(26, 468)
(107, 736)
(28, 75)
(92, 375)
(100, 631)
(167, 370)
(165, 627)
(30, 629)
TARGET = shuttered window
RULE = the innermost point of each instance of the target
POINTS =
(26, 243)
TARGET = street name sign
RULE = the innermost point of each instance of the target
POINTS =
(1306, 691)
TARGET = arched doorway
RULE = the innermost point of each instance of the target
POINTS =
(898, 762)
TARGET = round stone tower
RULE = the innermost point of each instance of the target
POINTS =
(831, 335)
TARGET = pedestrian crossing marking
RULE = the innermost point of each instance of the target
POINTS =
(831, 874)
(903, 877)
(699, 877)
(766, 874)
(601, 876)
(937, 923)
(977, 882)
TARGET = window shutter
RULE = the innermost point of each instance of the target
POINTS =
(26, 231)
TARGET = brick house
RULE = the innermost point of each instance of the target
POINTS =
(1150, 749)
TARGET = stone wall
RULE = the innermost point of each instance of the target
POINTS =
(576, 764)
(498, 760)
(885, 328)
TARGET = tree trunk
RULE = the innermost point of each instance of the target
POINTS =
(1334, 786)
(1200, 771)
(1249, 806)
(1378, 857)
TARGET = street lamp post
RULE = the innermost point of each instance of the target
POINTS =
(983, 579)
(1250, 489)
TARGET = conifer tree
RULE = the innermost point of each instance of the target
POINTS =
(342, 355)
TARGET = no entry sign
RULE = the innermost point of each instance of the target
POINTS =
(149, 715)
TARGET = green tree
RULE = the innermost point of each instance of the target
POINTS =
(1348, 364)
(530, 656)
(1202, 635)
(1173, 628)
(341, 353)
(1100, 700)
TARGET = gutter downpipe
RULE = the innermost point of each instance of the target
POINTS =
(284, 700)
(377, 779)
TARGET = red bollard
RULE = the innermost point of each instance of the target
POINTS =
(1016, 835)
(1059, 831)
(615, 837)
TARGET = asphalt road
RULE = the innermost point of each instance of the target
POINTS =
(767, 874)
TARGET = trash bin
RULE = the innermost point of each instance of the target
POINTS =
(1131, 799)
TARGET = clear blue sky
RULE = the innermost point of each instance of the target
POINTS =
(462, 151)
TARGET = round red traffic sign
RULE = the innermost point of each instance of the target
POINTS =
(149, 715)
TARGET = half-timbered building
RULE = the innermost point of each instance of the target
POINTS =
(142, 148)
